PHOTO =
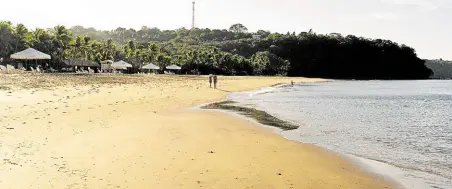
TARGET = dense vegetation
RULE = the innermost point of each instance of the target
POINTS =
(442, 69)
(230, 52)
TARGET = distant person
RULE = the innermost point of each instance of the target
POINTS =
(292, 82)
(215, 80)
(210, 80)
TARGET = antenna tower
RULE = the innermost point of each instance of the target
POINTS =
(193, 16)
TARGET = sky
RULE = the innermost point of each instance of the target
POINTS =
(425, 25)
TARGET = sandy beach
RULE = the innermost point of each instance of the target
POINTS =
(134, 131)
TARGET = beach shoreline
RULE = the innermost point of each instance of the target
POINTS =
(379, 170)
(401, 176)
(368, 166)
(129, 134)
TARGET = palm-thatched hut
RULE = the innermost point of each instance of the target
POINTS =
(30, 54)
(80, 64)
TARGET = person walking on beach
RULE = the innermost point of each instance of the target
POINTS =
(215, 80)
(210, 80)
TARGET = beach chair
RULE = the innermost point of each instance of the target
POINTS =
(20, 66)
(9, 67)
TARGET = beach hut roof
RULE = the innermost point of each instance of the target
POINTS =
(30, 54)
(121, 65)
(80, 62)
(151, 66)
(173, 67)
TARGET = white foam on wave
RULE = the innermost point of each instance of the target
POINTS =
(264, 90)
(246, 95)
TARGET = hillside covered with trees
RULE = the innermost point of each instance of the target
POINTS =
(442, 69)
(229, 52)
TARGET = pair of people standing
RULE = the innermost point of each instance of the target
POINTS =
(214, 79)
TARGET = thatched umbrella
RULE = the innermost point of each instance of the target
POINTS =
(121, 65)
(173, 67)
(150, 66)
(30, 54)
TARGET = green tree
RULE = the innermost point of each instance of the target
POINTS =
(42, 41)
(238, 28)
(226, 52)
(22, 37)
(6, 39)
(266, 63)
(61, 41)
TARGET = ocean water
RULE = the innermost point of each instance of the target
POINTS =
(402, 129)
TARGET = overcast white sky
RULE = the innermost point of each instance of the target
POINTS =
(425, 25)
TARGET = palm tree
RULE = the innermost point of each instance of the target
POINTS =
(108, 49)
(62, 38)
(6, 39)
(22, 37)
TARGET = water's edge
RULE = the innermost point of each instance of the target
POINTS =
(376, 169)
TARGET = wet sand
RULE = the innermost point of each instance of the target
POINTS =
(104, 131)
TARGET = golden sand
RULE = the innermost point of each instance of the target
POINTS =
(73, 132)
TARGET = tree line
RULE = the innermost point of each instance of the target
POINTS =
(229, 52)
(442, 68)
